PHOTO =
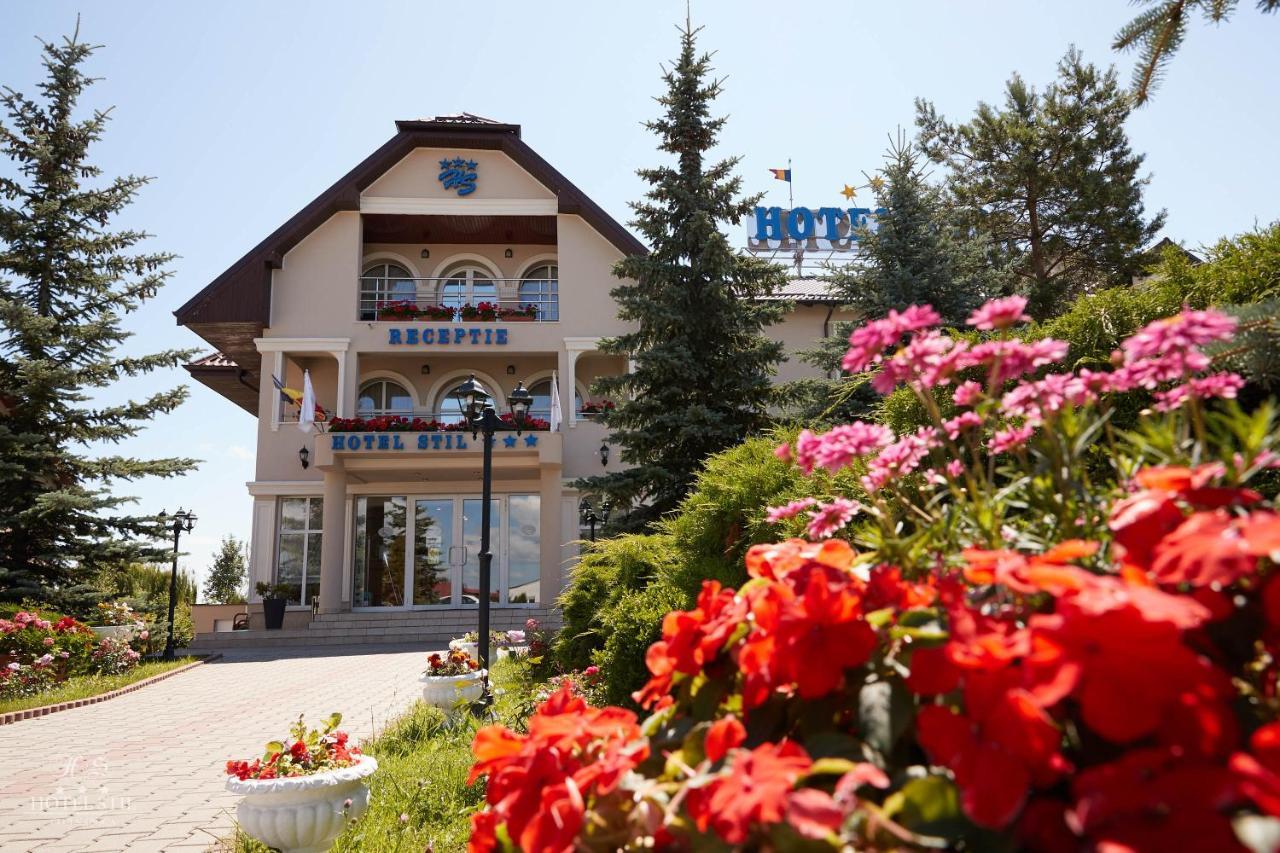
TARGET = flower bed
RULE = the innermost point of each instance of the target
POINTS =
(1013, 648)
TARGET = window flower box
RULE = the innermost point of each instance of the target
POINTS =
(590, 410)
(402, 309)
(523, 314)
(437, 312)
(482, 312)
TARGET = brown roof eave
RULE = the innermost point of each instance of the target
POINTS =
(243, 292)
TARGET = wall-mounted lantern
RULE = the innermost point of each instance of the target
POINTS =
(604, 454)
(304, 456)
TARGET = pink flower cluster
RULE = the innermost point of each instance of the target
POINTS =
(869, 341)
(899, 458)
(1000, 314)
(834, 450)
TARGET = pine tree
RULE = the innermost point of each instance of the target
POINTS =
(702, 365)
(917, 253)
(66, 280)
(1159, 32)
(226, 581)
(1052, 179)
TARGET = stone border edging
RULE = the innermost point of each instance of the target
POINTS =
(44, 710)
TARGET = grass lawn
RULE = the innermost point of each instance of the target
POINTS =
(423, 761)
(87, 686)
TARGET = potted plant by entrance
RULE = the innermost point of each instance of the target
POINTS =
(301, 792)
(469, 643)
(274, 599)
(451, 677)
(119, 622)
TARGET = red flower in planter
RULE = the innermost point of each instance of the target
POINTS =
(821, 634)
(996, 757)
(725, 734)
(1152, 799)
(690, 639)
(1258, 771)
(1215, 548)
(754, 791)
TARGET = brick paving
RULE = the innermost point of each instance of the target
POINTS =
(144, 771)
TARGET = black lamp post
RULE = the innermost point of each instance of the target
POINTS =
(182, 520)
(477, 409)
(588, 514)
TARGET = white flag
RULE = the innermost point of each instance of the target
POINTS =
(307, 417)
(555, 403)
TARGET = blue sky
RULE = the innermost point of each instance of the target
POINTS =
(243, 111)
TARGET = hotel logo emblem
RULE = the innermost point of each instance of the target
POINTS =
(458, 174)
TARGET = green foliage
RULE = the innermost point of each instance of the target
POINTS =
(66, 281)
(1050, 177)
(702, 364)
(622, 587)
(607, 570)
(226, 581)
(1158, 32)
(631, 625)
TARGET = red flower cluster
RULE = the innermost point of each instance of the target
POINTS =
(391, 423)
(538, 782)
(307, 751)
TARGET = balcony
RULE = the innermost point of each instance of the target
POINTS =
(457, 300)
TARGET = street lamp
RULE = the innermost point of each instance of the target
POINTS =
(588, 514)
(477, 410)
(182, 520)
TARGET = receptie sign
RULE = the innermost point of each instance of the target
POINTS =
(425, 336)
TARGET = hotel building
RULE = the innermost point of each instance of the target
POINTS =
(375, 535)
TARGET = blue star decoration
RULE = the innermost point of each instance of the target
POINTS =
(472, 164)
(509, 441)
(530, 441)
(459, 163)
(446, 163)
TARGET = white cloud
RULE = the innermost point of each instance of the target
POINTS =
(239, 452)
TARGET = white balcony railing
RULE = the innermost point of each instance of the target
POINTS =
(452, 300)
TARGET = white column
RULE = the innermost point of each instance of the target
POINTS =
(549, 536)
(333, 542)
(277, 370)
(340, 404)
(565, 360)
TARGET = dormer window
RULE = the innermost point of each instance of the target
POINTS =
(540, 286)
(383, 283)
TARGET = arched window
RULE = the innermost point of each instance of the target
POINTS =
(384, 282)
(382, 397)
(541, 407)
(541, 287)
(449, 408)
(467, 285)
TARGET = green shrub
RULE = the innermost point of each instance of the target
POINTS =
(631, 624)
(608, 569)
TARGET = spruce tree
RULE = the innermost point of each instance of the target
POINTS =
(701, 380)
(66, 280)
(917, 252)
(225, 583)
(1052, 179)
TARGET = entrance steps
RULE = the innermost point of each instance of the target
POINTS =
(425, 628)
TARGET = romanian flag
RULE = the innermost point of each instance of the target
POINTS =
(782, 174)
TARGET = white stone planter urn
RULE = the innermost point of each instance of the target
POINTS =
(301, 814)
(444, 691)
(114, 632)
(512, 651)
(470, 648)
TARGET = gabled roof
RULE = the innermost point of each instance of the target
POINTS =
(234, 308)
(804, 290)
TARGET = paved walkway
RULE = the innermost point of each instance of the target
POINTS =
(145, 771)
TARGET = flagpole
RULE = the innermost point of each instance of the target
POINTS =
(791, 198)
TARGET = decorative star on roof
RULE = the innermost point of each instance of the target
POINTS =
(509, 441)
(530, 441)
(848, 192)
(876, 183)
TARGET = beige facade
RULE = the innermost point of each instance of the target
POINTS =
(389, 520)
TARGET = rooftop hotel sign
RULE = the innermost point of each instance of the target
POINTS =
(835, 229)
(426, 336)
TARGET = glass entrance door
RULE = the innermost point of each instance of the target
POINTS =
(433, 551)
(422, 552)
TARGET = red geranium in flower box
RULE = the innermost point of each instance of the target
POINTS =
(480, 312)
(590, 408)
(402, 309)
